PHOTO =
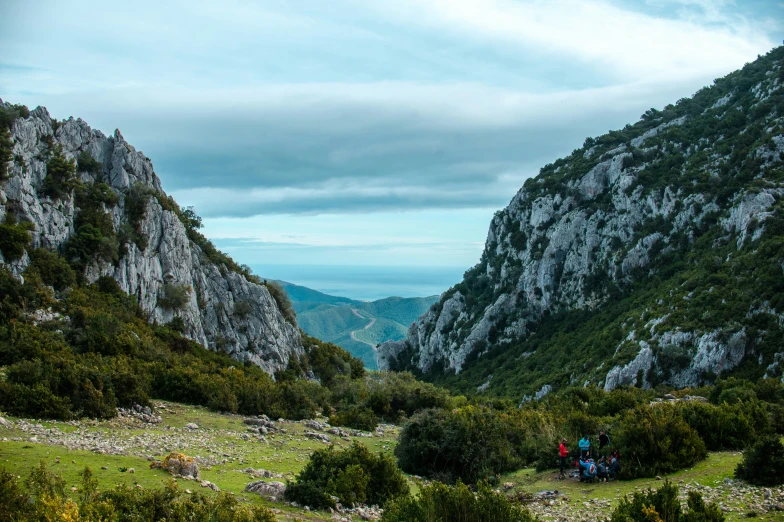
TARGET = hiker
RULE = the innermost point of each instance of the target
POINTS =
(587, 469)
(615, 464)
(601, 470)
(604, 440)
(564, 454)
(585, 447)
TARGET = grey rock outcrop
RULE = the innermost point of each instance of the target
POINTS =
(259, 334)
(599, 220)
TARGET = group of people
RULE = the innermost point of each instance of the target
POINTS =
(605, 468)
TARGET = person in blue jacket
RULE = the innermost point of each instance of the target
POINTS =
(585, 447)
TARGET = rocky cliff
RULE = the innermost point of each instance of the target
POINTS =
(152, 252)
(650, 255)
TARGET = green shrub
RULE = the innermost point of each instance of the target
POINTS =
(174, 297)
(242, 309)
(763, 462)
(47, 501)
(469, 444)
(355, 417)
(654, 440)
(352, 475)
(283, 301)
(6, 152)
(86, 163)
(726, 427)
(14, 239)
(662, 505)
(52, 269)
(60, 175)
(439, 502)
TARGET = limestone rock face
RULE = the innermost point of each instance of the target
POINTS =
(259, 333)
(591, 225)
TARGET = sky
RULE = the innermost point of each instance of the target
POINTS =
(365, 132)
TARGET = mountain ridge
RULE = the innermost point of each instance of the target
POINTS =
(605, 241)
(99, 201)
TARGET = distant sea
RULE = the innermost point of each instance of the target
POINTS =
(366, 283)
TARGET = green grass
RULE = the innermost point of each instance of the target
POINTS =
(711, 473)
(285, 453)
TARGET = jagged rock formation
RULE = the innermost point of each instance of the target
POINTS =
(221, 308)
(611, 250)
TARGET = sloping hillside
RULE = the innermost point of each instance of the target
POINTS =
(652, 254)
(357, 326)
(97, 201)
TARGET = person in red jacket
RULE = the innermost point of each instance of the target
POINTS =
(564, 454)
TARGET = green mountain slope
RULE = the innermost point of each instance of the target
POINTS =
(652, 254)
(357, 326)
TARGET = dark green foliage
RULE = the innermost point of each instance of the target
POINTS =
(6, 152)
(727, 426)
(46, 500)
(8, 114)
(242, 308)
(355, 417)
(439, 502)
(59, 181)
(86, 163)
(656, 440)
(762, 462)
(662, 505)
(282, 300)
(14, 239)
(469, 444)
(174, 297)
(108, 355)
(53, 270)
(353, 475)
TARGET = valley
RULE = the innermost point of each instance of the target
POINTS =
(357, 326)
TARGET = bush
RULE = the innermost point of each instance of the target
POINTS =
(87, 163)
(663, 505)
(242, 309)
(174, 297)
(283, 301)
(355, 417)
(654, 440)
(52, 269)
(59, 180)
(726, 427)
(353, 475)
(49, 502)
(437, 501)
(469, 444)
(14, 238)
(763, 462)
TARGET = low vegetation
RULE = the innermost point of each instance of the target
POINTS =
(663, 505)
(44, 498)
(763, 462)
(351, 476)
(458, 503)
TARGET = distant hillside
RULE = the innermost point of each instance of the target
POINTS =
(357, 326)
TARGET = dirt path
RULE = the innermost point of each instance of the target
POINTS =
(371, 323)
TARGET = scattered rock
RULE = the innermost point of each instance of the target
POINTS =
(6, 423)
(271, 490)
(318, 436)
(192, 426)
(313, 424)
(179, 464)
(210, 485)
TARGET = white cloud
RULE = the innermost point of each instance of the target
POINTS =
(626, 43)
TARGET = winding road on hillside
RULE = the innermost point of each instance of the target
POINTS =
(371, 323)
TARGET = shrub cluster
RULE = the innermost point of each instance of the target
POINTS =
(763, 462)
(476, 442)
(45, 498)
(353, 476)
(663, 505)
(437, 501)
(60, 175)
